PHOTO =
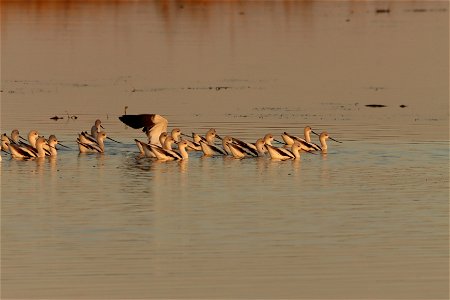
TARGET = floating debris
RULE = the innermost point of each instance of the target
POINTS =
(375, 105)
(419, 10)
(383, 11)
(403, 106)
(56, 118)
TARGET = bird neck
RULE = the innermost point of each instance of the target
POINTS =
(184, 153)
(307, 136)
(296, 153)
(323, 142)
(210, 139)
(40, 150)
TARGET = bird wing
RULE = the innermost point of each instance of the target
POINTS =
(93, 147)
(19, 151)
(28, 148)
(213, 148)
(295, 138)
(153, 125)
(305, 145)
(236, 150)
(164, 152)
(281, 151)
(250, 149)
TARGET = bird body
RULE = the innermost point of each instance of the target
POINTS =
(98, 147)
(284, 154)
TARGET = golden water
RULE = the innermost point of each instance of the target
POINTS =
(368, 220)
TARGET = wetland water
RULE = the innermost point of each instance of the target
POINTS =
(368, 220)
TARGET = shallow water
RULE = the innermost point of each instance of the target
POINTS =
(367, 220)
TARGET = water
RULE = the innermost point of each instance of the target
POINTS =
(367, 220)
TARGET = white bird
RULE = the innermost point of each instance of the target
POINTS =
(207, 144)
(95, 129)
(148, 148)
(306, 143)
(6, 140)
(98, 147)
(247, 148)
(50, 147)
(284, 154)
(240, 152)
(209, 138)
(268, 138)
(175, 134)
(211, 149)
(18, 151)
(153, 125)
(195, 143)
(31, 147)
(323, 141)
(165, 154)
(87, 138)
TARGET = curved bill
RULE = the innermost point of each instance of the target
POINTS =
(185, 135)
(63, 145)
(218, 136)
(278, 141)
(20, 137)
(102, 126)
(315, 133)
(113, 140)
(334, 139)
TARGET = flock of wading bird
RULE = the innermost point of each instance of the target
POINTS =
(160, 142)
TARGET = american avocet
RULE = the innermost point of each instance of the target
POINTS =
(85, 138)
(175, 134)
(164, 154)
(95, 129)
(18, 151)
(153, 125)
(209, 138)
(240, 152)
(51, 145)
(6, 140)
(31, 147)
(5, 143)
(207, 143)
(268, 138)
(306, 143)
(323, 140)
(211, 149)
(195, 143)
(248, 148)
(290, 139)
(98, 147)
(284, 154)
(146, 150)
(91, 138)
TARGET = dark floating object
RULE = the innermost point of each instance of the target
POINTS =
(383, 11)
(403, 106)
(375, 105)
(56, 118)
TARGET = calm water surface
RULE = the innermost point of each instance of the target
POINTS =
(368, 220)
